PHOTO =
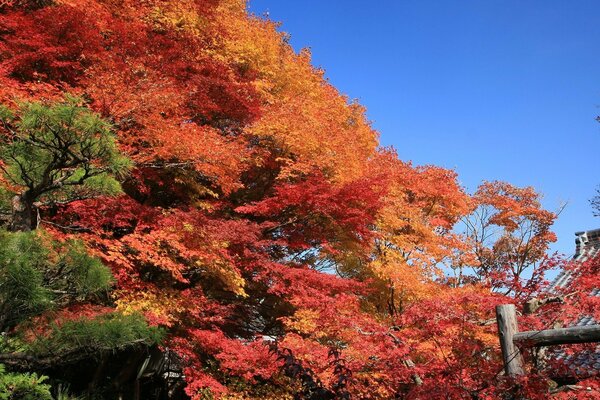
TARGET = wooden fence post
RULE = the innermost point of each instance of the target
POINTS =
(506, 316)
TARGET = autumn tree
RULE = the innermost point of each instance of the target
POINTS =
(510, 234)
(259, 230)
(56, 152)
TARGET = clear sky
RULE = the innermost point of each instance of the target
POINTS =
(504, 90)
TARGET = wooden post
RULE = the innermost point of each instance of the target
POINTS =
(506, 316)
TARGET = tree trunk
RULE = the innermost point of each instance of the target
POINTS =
(24, 214)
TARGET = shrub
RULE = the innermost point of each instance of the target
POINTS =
(23, 386)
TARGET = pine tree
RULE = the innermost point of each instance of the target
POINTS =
(57, 152)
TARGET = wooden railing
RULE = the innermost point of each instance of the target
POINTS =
(511, 339)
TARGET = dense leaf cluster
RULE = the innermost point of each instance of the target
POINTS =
(38, 275)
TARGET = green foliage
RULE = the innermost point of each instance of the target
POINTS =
(5, 198)
(60, 151)
(23, 260)
(23, 386)
(80, 274)
(106, 332)
(37, 273)
(103, 184)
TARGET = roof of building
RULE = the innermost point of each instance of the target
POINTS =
(586, 363)
(587, 246)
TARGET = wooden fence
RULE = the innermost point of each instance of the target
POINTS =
(511, 339)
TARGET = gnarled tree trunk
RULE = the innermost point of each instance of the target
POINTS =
(24, 213)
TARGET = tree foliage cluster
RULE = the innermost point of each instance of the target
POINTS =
(173, 172)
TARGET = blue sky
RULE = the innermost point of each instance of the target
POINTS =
(504, 90)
